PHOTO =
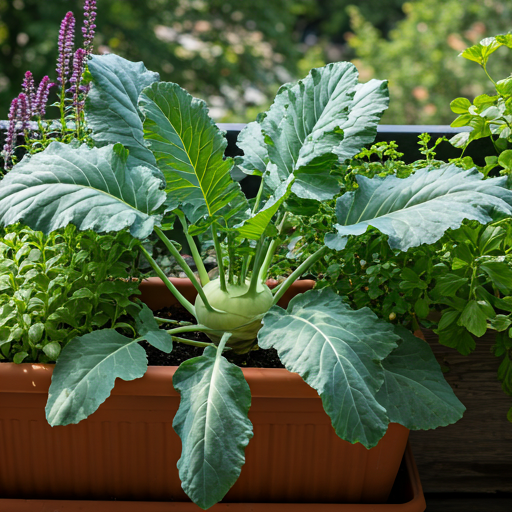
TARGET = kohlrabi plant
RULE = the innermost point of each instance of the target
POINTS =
(158, 155)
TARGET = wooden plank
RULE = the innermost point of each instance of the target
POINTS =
(469, 503)
(475, 454)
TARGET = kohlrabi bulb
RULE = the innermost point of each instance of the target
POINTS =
(239, 312)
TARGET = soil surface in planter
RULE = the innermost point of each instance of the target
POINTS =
(259, 358)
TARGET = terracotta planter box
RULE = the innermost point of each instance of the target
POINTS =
(128, 450)
(406, 496)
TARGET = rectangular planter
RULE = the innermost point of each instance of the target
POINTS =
(406, 496)
(128, 450)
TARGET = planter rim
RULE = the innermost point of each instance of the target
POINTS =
(157, 381)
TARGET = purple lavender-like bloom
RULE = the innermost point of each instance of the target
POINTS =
(78, 69)
(29, 89)
(41, 97)
(66, 42)
(89, 26)
(11, 134)
(23, 112)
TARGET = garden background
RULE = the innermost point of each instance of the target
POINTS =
(234, 54)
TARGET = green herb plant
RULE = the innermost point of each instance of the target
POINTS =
(56, 287)
(158, 154)
(487, 115)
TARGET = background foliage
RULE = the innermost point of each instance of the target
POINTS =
(235, 54)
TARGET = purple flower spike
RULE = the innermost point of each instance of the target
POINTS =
(29, 89)
(23, 113)
(10, 139)
(41, 97)
(89, 26)
(66, 42)
(78, 69)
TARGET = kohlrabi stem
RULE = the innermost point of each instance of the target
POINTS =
(298, 272)
(258, 197)
(218, 252)
(191, 328)
(272, 249)
(171, 321)
(245, 268)
(182, 300)
(192, 342)
(231, 255)
(183, 264)
(203, 274)
(257, 264)
(222, 345)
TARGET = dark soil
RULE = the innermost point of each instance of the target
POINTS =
(181, 352)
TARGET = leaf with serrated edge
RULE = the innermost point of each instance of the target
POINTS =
(213, 425)
(188, 146)
(111, 106)
(420, 208)
(86, 371)
(89, 187)
(336, 350)
(415, 393)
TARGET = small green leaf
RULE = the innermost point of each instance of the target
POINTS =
(52, 350)
(460, 105)
(501, 323)
(505, 159)
(448, 285)
(474, 319)
(148, 329)
(19, 357)
(480, 52)
(35, 332)
(500, 274)
(421, 308)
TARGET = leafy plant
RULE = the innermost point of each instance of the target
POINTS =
(171, 163)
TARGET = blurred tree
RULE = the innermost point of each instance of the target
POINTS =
(233, 54)
(420, 58)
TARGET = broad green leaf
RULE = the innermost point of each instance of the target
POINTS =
(111, 105)
(420, 208)
(336, 350)
(89, 187)
(255, 158)
(188, 146)
(213, 425)
(312, 124)
(366, 109)
(148, 328)
(85, 373)
(460, 105)
(415, 393)
(52, 350)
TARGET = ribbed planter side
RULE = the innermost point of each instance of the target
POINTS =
(128, 450)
